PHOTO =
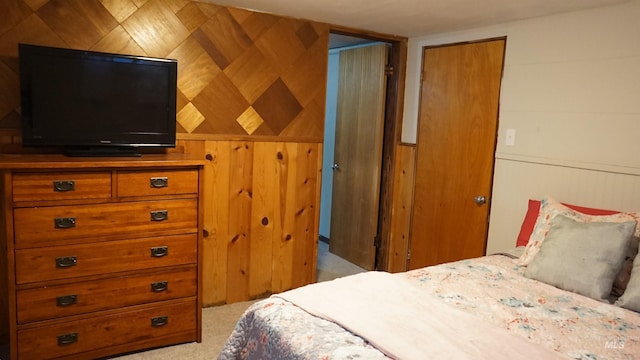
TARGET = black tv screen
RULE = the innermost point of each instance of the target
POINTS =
(94, 102)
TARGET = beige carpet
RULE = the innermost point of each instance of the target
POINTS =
(218, 322)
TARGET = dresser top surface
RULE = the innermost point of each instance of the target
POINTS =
(25, 162)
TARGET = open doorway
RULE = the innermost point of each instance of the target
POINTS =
(365, 251)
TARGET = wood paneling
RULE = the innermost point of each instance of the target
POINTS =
(261, 218)
(80, 23)
(13, 12)
(239, 72)
(403, 181)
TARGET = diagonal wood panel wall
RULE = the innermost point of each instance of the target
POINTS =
(239, 72)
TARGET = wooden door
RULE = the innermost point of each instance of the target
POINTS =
(457, 129)
(358, 154)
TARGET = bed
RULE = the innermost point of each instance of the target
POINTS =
(572, 290)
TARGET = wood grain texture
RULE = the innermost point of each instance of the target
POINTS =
(155, 21)
(116, 329)
(39, 303)
(13, 12)
(261, 218)
(404, 174)
(455, 151)
(240, 202)
(216, 217)
(139, 183)
(9, 94)
(283, 250)
(118, 41)
(80, 23)
(119, 9)
(111, 264)
(307, 193)
(53, 162)
(272, 65)
(358, 152)
(39, 186)
(39, 264)
(35, 226)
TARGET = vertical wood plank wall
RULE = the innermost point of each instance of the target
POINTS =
(401, 207)
(261, 217)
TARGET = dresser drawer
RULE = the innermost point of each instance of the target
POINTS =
(40, 226)
(72, 261)
(61, 186)
(157, 182)
(67, 338)
(50, 302)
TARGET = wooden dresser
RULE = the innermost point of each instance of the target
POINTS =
(99, 256)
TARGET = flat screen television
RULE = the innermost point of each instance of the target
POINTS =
(96, 104)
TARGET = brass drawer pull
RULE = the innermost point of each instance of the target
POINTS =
(65, 223)
(159, 286)
(66, 300)
(159, 321)
(66, 261)
(67, 339)
(64, 185)
(159, 182)
(159, 251)
(159, 215)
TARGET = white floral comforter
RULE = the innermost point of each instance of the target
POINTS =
(490, 288)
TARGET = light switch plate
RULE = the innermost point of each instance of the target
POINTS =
(510, 139)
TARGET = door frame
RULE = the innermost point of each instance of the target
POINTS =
(392, 132)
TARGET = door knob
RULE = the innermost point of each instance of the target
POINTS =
(335, 167)
(480, 200)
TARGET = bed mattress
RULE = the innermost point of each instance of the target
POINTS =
(492, 289)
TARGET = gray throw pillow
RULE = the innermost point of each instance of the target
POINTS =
(624, 276)
(582, 257)
(631, 297)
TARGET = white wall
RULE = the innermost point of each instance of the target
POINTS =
(571, 91)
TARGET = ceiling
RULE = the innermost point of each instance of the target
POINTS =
(414, 17)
